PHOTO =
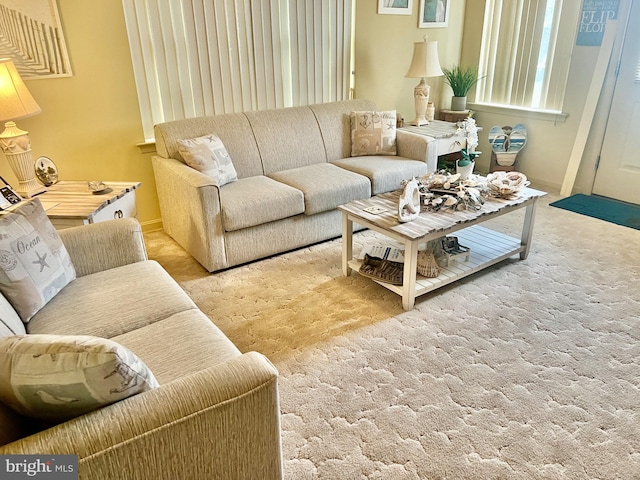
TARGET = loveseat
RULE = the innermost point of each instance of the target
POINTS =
(215, 413)
(294, 167)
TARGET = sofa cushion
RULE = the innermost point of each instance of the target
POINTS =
(232, 128)
(257, 200)
(10, 322)
(192, 338)
(373, 133)
(34, 263)
(325, 186)
(287, 138)
(386, 173)
(101, 304)
(334, 120)
(58, 377)
(208, 155)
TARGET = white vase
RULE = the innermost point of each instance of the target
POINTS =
(464, 171)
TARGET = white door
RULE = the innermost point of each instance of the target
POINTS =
(618, 174)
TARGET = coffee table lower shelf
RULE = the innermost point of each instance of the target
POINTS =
(488, 247)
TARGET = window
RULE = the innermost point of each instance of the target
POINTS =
(526, 51)
(200, 57)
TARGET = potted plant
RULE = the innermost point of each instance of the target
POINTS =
(460, 79)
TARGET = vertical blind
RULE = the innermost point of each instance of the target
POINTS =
(204, 57)
(526, 51)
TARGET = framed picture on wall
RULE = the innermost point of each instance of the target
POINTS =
(395, 7)
(32, 37)
(433, 13)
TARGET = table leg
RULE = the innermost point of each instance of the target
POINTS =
(347, 243)
(527, 228)
(409, 274)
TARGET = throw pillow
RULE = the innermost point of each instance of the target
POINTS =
(34, 263)
(58, 377)
(208, 155)
(373, 133)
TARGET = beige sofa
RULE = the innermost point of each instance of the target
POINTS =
(294, 167)
(215, 414)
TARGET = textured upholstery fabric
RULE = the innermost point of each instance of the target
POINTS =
(373, 133)
(58, 377)
(233, 129)
(216, 414)
(204, 347)
(10, 322)
(256, 200)
(276, 141)
(105, 245)
(325, 186)
(34, 263)
(385, 173)
(220, 423)
(335, 124)
(109, 295)
(287, 138)
(208, 155)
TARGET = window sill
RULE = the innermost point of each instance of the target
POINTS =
(148, 146)
(549, 116)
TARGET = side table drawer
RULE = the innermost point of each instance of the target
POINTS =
(123, 207)
(451, 144)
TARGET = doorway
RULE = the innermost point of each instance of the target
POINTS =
(618, 173)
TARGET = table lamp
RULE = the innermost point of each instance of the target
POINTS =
(425, 63)
(16, 102)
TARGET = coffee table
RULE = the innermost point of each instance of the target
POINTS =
(488, 246)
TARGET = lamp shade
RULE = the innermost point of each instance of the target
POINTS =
(15, 100)
(425, 61)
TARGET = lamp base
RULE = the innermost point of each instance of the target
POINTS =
(418, 122)
(17, 148)
(421, 99)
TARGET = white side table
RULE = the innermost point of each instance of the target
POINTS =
(69, 204)
(443, 138)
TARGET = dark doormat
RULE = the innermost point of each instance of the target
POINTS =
(614, 211)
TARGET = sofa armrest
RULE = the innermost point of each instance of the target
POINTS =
(416, 146)
(220, 423)
(190, 206)
(104, 245)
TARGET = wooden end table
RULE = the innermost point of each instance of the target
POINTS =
(69, 204)
(488, 247)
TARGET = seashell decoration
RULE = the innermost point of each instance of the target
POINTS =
(409, 203)
(506, 184)
(427, 265)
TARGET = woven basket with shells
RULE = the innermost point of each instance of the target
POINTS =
(427, 265)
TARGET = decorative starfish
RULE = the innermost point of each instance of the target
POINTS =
(42, 261)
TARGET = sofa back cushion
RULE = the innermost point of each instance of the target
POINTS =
(335, 125)
(232, 128)
(10, 323)
(287, 138)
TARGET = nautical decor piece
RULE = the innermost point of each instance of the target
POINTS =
(506, 142)
(409, 204)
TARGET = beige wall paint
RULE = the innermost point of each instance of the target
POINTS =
(383, 54)
(90, 122)
(383, 51)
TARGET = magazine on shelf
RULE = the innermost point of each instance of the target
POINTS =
(386, 252)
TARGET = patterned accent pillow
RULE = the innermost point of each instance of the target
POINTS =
(34, 263)
(373, 133)
(208, 155)
(58, 377)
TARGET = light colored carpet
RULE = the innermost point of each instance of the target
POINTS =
(528, 370)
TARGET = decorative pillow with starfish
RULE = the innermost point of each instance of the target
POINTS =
(34, 263)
